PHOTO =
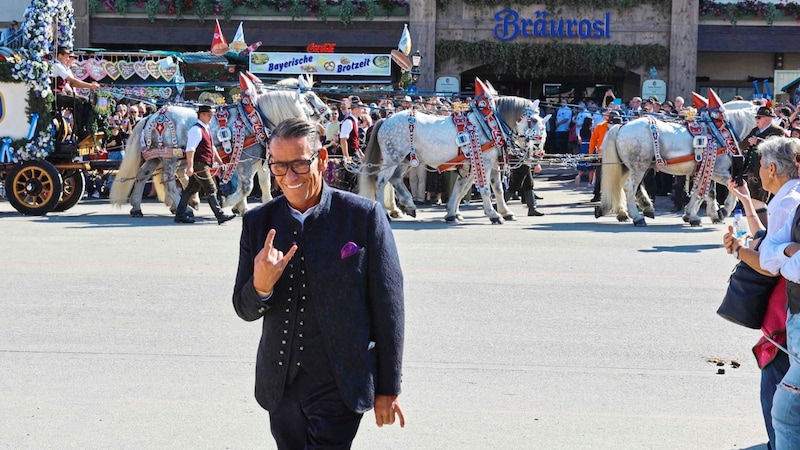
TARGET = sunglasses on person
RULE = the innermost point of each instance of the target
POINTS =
(299, 167)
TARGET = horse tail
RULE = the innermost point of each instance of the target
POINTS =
(368, 179)
(126, 174)
(614, 174)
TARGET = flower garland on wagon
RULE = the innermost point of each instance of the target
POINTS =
(31, 67)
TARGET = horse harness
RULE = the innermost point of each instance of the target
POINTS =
(233, 141)
(712, 137)
(468, 142)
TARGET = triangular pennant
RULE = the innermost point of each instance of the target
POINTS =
(714, 101)
(699, 101)
(219, 46)
(245, 84)
(480, 88)
(238, 44)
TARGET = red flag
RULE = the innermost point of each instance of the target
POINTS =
(219, 46)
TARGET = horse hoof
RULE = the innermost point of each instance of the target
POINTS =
(136, 213)
(497, 220)
(450, 219)
(639, 223)
(721, 215)
(717, 221)
(650, 214)
(510, 217)
(411, 212)
(695, 222)
(598, 212)
(624, 218)
(685, 219)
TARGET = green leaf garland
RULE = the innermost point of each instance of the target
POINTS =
(542, 60)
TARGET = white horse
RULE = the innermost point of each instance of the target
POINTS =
(628, 153)
(434, 139)
(275, 106)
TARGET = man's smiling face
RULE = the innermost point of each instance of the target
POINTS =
(302, 191)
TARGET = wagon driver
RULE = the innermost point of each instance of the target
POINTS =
(764, 128)
(66, 97)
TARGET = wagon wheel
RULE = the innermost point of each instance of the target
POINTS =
(33, 187)
(72, 189)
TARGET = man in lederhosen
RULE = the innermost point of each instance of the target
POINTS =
(200, 156)
(764, 128)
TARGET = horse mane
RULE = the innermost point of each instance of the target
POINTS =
(291, 82)
(741, 115)
(280, 105)
(511, 108)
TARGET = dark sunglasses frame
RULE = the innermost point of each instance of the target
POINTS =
(299, 167)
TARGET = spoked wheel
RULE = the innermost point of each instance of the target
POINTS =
(33, 187)
(72, 189)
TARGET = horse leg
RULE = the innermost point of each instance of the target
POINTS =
(460, 188)
(144, 174)
(171, 196)
(645, 203)
(631, 188)
(264, 180)
(690, 214)
(486, 197)
(245, 172)
(499, 195)
(712, 208)
(404, 197)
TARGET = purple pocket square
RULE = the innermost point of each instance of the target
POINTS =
(349, 250)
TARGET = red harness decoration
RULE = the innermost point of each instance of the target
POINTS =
(159, 124)
(254, 117)
(474, 152)
(238, 146)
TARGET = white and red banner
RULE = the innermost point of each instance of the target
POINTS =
(321, 63)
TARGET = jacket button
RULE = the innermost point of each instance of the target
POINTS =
(281, 352)
(301, 322)
(302, 309)
(303, 297)
(283, 342)
(287, 310)
(301, 348)
(298, 363)
(286, 322)
(280, 363)
(301, 334)
(285, 331)
(261, 310)
(291, 275)
(290, 288)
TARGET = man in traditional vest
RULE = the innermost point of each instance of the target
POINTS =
(200, 156)
(764, 128)
(348, 133)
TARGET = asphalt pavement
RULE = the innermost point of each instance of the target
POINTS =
(554, 332)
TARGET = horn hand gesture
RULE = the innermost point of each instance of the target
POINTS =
(269, 264)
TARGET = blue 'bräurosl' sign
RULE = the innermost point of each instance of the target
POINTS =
(510, 26)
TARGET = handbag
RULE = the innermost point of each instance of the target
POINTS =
(746, 300)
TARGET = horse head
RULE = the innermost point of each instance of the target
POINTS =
(533, 128)
(317, 109)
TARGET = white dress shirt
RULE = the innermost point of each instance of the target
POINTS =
(781, 209)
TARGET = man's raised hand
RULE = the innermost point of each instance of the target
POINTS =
(269, 264)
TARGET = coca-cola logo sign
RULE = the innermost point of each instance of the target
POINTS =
(328, 47)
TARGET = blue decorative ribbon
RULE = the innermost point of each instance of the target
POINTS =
(768, 90)
(32, 129)
(5, 152)
(758, 91)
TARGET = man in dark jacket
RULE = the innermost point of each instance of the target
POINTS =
(764, 128)
(320, 267)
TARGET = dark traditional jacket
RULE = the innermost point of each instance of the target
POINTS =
(356, 300)
(754, 161)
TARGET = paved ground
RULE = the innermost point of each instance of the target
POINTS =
(560, 331)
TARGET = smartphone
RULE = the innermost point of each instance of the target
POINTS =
(737, 169)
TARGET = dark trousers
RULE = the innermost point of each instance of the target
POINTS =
(770, 377)
(82, 113)
(312, 415)
(562, 144)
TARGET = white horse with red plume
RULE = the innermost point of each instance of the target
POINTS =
(474, 142)
(240, 131)
(703, 147)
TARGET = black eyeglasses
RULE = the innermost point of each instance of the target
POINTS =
(300, 167)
